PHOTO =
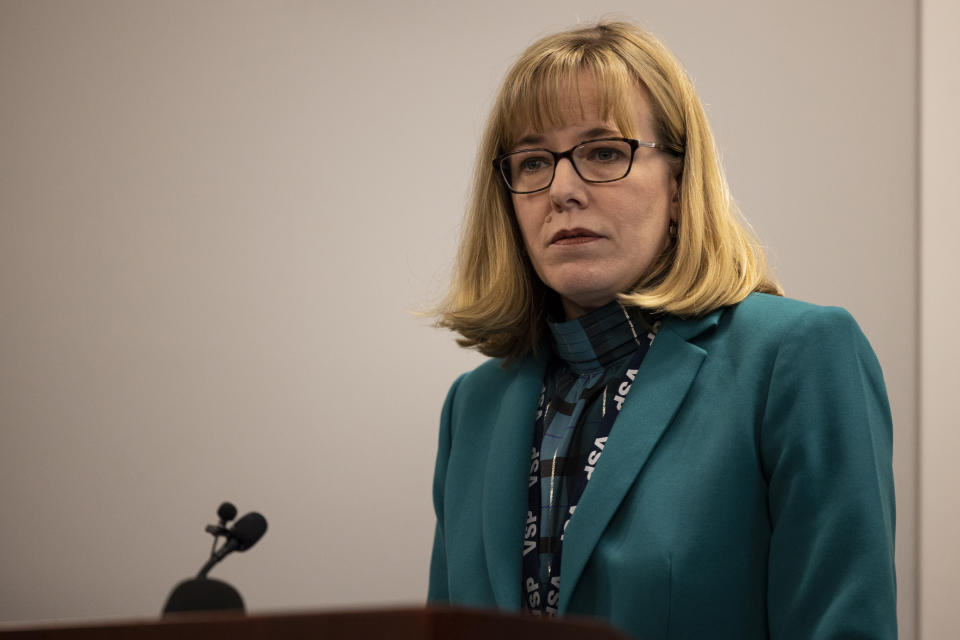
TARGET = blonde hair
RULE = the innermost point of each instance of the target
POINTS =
(496, 301)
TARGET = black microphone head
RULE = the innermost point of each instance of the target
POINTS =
(227, 512)
(248, 530)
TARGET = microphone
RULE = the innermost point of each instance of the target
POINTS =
(208, 594)
(226, 513)
(244, 534)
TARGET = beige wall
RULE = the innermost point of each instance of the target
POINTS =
(940, 345)
(214, 217)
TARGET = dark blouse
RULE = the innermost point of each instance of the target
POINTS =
(590, 354)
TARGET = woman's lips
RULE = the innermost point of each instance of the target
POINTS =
(576, 240)
(574, 236)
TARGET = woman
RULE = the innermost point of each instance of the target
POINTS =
(660, 438)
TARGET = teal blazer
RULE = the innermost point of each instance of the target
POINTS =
(745, 491)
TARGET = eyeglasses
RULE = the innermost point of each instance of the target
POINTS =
(601, 160)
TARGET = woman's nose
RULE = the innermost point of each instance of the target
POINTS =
(568, 190)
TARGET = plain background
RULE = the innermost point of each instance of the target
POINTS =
(215, 218)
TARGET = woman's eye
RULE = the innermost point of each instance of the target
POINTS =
(533, 164)
(605, 154)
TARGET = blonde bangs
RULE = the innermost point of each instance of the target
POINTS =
(535, 95)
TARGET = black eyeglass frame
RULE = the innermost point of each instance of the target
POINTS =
(568, 154)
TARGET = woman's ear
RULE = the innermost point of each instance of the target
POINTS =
(675, 187)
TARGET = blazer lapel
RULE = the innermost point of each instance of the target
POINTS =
(662, 382)
(505, 485)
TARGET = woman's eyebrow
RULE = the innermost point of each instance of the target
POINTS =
(528, 140)
(595, 132)
(600, 132)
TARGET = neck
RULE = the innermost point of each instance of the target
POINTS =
(572, 310)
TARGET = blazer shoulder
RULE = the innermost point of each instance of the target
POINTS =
(495, 375)
(808, 336)
(761, 326)
(776, 317)
(493, 384)
(778, 309)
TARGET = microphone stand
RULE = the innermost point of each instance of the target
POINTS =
(203, 593)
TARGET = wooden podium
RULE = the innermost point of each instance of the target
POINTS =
(431, 623)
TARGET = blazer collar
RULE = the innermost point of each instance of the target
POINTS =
(689, 328)
(662, 382)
